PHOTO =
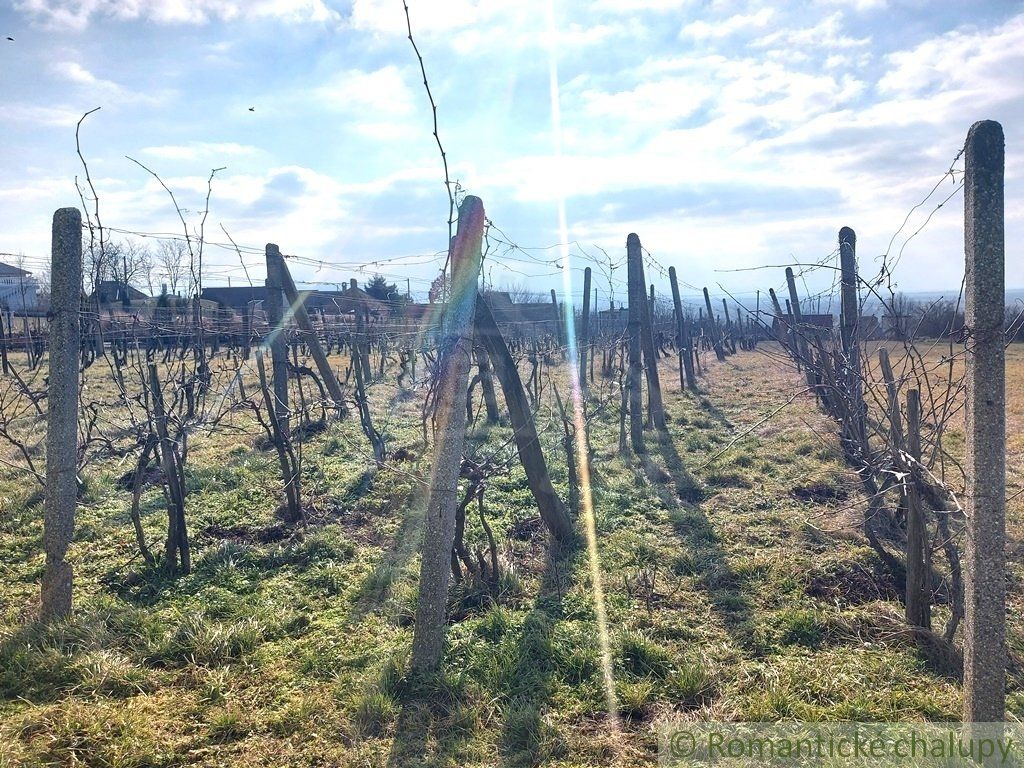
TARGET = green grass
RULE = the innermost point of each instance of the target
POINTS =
(727, 595)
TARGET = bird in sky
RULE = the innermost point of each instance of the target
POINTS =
(252, 109)
(10, 38)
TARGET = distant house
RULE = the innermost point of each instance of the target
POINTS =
(236, 298)
(18, 288)
(346, 302)
(870, 328)
(524, 319)
(113, 292)
(329, 302)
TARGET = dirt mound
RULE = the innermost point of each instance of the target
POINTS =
(852, 584)
(818, 493)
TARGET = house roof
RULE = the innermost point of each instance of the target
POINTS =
(417, 313)
(345, 302)
(534, 312)
(331, 302)
(869, 326)
(110, 290)
(8, 270)
(237, 297)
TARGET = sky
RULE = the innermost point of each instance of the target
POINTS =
(733, 137)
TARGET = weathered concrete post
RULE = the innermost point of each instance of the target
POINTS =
(757, 319)
(799, 337)
(276, 324)
(634, 383)
(713, 328)
(686, 377)
(483, 366)
(456, 355)
(361, 343)
(795, 313)
(985, 503)
(3, 347)
(848, 331)
(327, 373)
(784, 337)
(654, 400)
(559, 325)
(584, 341)
(730, 334)
(918, 603)
(62, 416)
(552, 511)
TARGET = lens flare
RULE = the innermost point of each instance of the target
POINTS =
(578, 406)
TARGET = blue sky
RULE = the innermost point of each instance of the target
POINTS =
(728, 135)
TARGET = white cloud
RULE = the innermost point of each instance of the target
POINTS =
(704, 30)
(75, 73)
(630, 6)
(860, 6)
(380, 93)
(77, 14)
(825, 35)
(105, 92)
(656, 103)
(985, 63)
(34, 114)
(47, 188)
(387, 17)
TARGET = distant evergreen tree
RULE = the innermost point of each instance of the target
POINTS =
(381, 289)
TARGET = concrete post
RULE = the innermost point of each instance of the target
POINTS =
(686, 377)
(848, 333)
(799, 337)
(584, 340)
(918, 600)
(985, 503)
(654, 399)
(634, 383)
(713, 328)
(456, 354)
(276, 325)
(524, 430)
(327, 373)
(61, 493)
(559, 332)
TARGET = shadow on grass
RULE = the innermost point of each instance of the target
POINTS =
(713, 410)
(261, 548)
(377, 584)
(682, 496)
(428, 730)
(526, 739)
(45, 662)
(412, 733)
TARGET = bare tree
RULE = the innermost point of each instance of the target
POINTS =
(172, 263)
(520, 294)
(43, 279)
(133, 265)
(899, 316)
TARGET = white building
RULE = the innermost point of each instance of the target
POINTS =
(17, 288)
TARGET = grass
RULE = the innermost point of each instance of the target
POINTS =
(733, 572)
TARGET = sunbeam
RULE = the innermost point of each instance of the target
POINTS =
(578, 408)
